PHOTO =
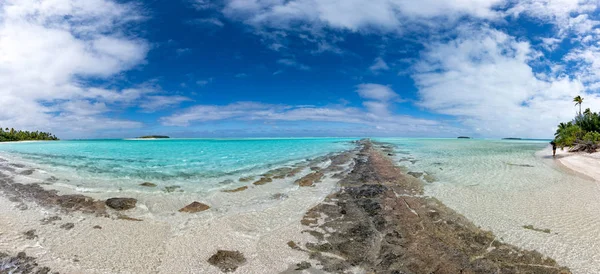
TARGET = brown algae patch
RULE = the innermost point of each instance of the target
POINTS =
(262, 181)
(227, 261)
(379, 222)
(310, 179)
(194, 207)
(21, 263)
(530, 227)
(236, 189)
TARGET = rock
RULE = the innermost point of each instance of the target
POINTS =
(148, 184)
(21, 263)
(127, 218)
(68, 226)
(27, 172)
(310, 179)
(50, 220)
(415, 174)
(246, 179)
(226, 182)
(170, 189)
(30, 235)
(227, 261)
(263, 181)
(194, 207)
(236, 190)
(121, 203)
(97, 227)
(303, 265)
(279, 196)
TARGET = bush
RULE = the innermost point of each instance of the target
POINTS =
(592, 136)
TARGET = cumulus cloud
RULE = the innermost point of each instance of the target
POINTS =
(379, 65)
(353, 15)
(48, 51)
(374, 119)
(372, 123)
(484, 78)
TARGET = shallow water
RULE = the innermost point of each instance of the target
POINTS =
(503, 186)
(194, 163)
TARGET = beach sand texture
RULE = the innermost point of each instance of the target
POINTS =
(364, 215)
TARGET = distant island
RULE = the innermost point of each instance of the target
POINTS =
(12, 135)
(512, 138)
(464, 137)
(153, 137)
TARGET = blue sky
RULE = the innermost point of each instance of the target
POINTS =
(249, 68)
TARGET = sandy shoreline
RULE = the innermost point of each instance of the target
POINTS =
(581, 163)
(258, 222)
(364, 215)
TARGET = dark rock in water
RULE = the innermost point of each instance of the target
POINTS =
(127, 218)
(227, 261)
(194, 207)
(512, 138)
(169, 189)
(303, 265)
(30, 235)
(18, 192)
(236, 190)
(263, 181)
(226, 182)
(27, 172)
(50, 220)
(310, 179)
(279, 196)
(68, 226)
(20, 264)
(246, 179)
(415, 174)
(521, 165)
(121, 203)
(148, 184)
(464, 137)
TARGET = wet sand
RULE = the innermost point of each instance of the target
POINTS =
(356, 212)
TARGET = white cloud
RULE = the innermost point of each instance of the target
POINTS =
(484, 78)
(379, 65)
(293, 63)
(48, 49)
(207, 22)
(374, 123)
(354, 15)
(376, 92)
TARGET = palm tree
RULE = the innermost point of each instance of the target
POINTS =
(578, 101)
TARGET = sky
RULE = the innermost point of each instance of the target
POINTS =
(284, 68)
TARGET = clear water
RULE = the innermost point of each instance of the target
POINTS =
(505, 185)
(122, 163)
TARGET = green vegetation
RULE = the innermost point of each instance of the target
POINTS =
(7, 135)
(581, 134)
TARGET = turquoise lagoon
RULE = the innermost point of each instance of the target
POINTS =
(194, 163)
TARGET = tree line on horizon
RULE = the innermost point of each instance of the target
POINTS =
(7, 135)
(580, 134)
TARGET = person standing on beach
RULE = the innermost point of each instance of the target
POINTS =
(553, 148)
